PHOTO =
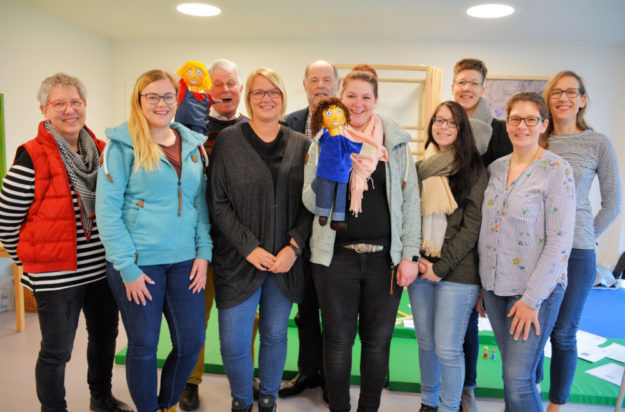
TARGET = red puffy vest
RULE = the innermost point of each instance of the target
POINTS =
(47, 240)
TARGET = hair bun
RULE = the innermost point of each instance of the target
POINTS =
(365, 68)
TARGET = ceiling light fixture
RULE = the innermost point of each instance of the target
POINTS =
(490, 11)
(198, 9)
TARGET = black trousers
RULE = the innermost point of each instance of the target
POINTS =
(58, 312)
(354, 295)
(309, 360)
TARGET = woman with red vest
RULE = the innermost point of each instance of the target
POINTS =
(47, 211)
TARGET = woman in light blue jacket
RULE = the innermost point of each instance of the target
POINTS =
(151, 206)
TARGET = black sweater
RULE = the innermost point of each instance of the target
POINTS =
(246, 214)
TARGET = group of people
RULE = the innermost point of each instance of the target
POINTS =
(495, 218)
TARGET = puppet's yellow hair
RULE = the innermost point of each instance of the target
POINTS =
(206, 84)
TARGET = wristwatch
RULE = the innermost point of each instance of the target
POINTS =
(297, 250)
(415, 258)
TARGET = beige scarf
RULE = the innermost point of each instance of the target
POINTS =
(437, 201)
(365, 162)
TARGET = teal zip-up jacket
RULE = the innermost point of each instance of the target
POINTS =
(402, 193)
(152, 218)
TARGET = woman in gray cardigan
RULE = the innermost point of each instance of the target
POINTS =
(453, 180)
(256, 176)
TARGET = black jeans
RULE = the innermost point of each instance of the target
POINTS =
(354, 294)
(58, 319)
(309, 361)
(471, 349)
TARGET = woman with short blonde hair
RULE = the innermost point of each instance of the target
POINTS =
(261, 227)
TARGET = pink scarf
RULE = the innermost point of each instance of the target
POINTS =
(365, 162)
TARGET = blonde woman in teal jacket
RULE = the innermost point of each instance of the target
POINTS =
(153, 218)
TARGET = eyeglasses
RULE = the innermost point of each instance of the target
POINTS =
(60, 105)
(259, 94)
(571, 93)
(463, 83)
(440, 122)
(153, 98)
(529, 121)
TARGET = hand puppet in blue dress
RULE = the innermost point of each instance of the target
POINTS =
(193, 100)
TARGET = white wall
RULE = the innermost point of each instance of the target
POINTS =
(34, 45)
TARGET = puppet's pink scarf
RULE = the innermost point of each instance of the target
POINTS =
(364, 164)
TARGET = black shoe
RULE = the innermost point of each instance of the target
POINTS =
(238, 405)
(266, 404)
(428, 408)
(256, 387)
(108, 404)
(189, 399)
(297, 385)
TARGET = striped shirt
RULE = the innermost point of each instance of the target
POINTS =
(18, 193)
(591, 154)
(527, 229)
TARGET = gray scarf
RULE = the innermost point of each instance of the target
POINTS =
(481, 125)
(82, 171)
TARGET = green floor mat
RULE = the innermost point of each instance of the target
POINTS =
(404, 363)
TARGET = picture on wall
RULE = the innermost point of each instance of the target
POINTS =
(500, 88)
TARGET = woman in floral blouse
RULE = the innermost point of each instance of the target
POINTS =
(528, 221)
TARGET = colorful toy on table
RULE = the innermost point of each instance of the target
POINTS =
(193, 101)
(485, 352)
(494, 354)
(335, 160)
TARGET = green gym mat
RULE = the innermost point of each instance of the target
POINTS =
(404, 363)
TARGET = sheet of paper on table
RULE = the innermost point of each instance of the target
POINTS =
(610, 372)
(483, 324)
(616, 352)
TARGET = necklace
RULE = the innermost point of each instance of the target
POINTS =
(522, 171)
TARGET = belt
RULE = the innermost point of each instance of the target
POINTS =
(364, 247)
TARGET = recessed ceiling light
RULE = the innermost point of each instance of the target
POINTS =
(198, 9)
(490, 11)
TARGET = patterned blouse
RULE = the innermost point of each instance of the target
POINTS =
(527, 229)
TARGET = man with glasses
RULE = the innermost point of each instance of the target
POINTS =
(321, 80)
(492, 142)
(226, 90)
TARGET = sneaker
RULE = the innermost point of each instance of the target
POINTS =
(266, 404)
(428, 408)
(467, 400)
(238, 405)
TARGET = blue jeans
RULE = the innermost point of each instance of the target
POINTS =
(441, 312)
(520, 357)
(58, 312)
(471, 349)
(184, 312)
(328, 192)
(582, 270)
(236, 325)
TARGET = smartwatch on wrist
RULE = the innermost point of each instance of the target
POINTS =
(415, 258)
(297, 250)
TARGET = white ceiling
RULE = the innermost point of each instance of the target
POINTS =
(588, 21)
